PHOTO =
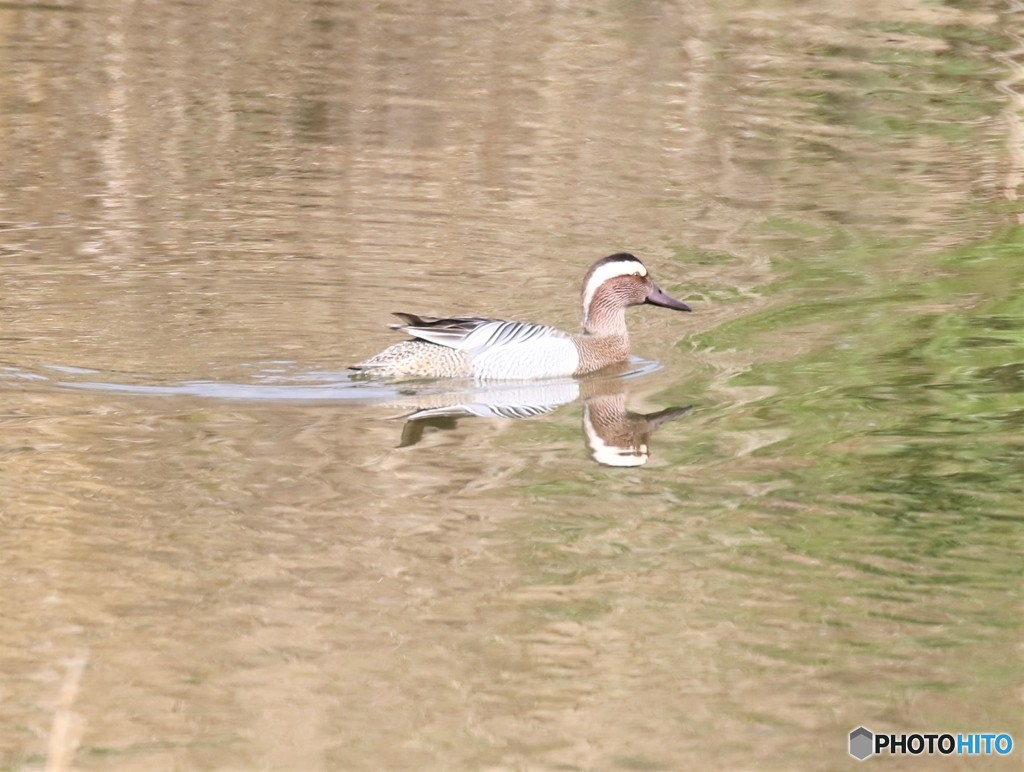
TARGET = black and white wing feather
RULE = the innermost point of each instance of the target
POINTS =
(473, 333)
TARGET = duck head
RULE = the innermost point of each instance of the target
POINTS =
(613, 284)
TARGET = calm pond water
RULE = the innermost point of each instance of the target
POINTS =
(221, 554)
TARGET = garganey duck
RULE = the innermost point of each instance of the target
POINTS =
(495, 349)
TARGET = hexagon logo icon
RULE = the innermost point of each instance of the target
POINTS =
(862, 742)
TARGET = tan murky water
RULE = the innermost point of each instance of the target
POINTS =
(208, 210)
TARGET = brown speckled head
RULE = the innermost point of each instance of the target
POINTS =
(613, 284)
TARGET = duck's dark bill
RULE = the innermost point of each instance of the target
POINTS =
(659, 298)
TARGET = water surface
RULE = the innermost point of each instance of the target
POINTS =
(219, 553)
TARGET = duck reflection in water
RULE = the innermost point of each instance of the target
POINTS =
(615, 435)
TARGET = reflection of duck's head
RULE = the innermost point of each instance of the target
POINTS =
(617, 436)
(496, 349)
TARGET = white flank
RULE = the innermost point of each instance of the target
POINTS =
(606, 272)
(549, 356)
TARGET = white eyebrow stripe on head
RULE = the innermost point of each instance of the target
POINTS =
(608, 271)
